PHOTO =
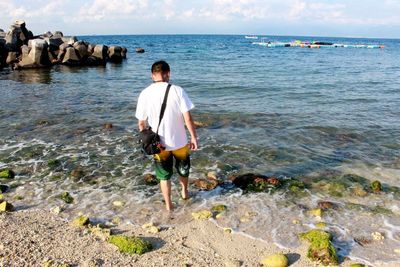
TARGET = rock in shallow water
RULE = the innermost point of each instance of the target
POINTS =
(7, 174)
(81, 221)
(4, 188)
(321, 248)
(66, 197)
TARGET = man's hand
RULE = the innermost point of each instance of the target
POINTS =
(193, 144)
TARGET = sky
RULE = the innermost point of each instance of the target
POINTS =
(336, 18)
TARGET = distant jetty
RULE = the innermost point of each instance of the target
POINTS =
(21, 49)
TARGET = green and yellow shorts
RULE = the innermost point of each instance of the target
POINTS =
(164, 163)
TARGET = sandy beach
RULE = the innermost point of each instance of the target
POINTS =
(37, 238)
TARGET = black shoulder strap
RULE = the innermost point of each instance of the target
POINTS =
(163, 106)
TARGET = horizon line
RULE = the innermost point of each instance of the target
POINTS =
(239, 34)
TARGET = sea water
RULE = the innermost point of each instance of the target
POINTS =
(309, 114)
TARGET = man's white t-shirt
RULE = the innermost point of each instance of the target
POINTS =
(172, 128)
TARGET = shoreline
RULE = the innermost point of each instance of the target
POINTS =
(37, 237)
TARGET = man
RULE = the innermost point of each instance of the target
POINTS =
(172, 129)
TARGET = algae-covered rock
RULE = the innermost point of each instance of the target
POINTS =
(326, 205)
(6, 206)
(359, 191)
(77, 174)
(376, 186)
(48, 263)
(202, 215)
(103, 233)
(52, 163)
(151, 228)
(81, 221)
(219, 208)
(7, 174)
(315, 212)
(130, 245)
(66, 197)
(255, 182)
(320, 225)
(357, 265)
(227, 230)
(321, 248)
(275, 260)
(205, 184)
(18, 197)
(56, 210)
(4, 188)
(150, 179)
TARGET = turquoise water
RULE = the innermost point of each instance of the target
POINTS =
(288, 112)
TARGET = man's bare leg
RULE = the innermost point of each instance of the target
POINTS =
(166, 191)
(184, 181)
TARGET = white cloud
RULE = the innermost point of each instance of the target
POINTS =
(205, 15)
(103, 9)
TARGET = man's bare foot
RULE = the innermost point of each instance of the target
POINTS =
(185, 194)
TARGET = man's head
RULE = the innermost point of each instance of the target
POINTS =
(160, 71)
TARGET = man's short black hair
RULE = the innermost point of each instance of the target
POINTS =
(160, 66)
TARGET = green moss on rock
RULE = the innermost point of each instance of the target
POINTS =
(7, 174)
(81, 221)
(321, 248)
(6, 206)
(219, 208)
(357, 265)
(52, 163)
(381, 210)
(315, 212)
(66, 197)
(130, 245)
(376, 186)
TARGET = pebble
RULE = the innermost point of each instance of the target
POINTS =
(118, 203)
(377, 236)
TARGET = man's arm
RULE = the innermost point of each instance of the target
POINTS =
(192, 130)
(141, 125)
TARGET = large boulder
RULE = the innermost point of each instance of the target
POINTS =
(69, 40)
(18, 35)
(115, 54)
(47, 34)
(82, 48)
(71, 57)
(90, 48)
(12, 39)
(62, 50)
(35, 56)
(12, 57)
(124, 51)
(3, 53)
(54, 43)
(58, 34)
(99, 56)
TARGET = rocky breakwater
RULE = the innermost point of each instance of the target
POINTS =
(21, 49)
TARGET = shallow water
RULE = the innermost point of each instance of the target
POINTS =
(310, 114)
